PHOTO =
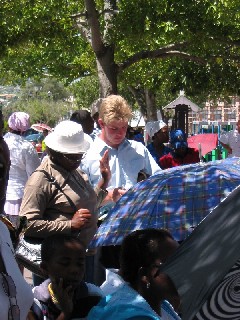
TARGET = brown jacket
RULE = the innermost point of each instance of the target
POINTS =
(47, 209)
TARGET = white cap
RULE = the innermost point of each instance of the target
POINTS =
(154, 126)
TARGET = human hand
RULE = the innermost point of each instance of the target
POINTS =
(31, 316)
(64, 297)
(105, 169)
(80, 219)
(117, 193)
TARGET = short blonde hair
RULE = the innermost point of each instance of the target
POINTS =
(114, 107)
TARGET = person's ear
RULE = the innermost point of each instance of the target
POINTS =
(101, 123)
(44, 268)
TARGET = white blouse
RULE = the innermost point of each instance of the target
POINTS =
(24, 160)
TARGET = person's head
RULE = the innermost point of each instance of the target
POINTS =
(95, 110)
(114, 114)
(130, 133)
(67, 144)
(238, 126)
(158, 131)
(63, 256)
(84, 118)
(142, 254)
(19, 122)
(178, 141)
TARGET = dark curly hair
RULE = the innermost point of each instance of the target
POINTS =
(84, 118)
(51, 243)
(140, 249)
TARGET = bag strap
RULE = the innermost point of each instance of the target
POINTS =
(52, 180)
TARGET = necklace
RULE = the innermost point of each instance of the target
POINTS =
(53, 296)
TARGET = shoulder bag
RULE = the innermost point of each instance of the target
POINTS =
(28, 250)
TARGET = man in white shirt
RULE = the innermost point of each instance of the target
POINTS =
(126, 157)
(231, 141)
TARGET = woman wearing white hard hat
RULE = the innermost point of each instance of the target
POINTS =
(158, 131)
(57, 197)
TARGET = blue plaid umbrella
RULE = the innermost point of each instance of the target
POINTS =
(176, 199)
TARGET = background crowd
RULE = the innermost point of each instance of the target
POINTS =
(65, 198)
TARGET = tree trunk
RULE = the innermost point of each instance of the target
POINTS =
(146, 101)
(139, 96)
(98, 39)
(107, 73)
(151, 105)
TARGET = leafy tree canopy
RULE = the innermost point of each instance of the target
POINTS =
(162, 45)
(46, 101)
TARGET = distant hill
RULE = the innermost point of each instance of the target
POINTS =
(10, 90)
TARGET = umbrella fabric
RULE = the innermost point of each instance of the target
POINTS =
(40, 127)
(224, 302)
(205, 268)
(208, 141)
(176, 199)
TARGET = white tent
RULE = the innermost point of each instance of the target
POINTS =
(137, 120)
(182, 100)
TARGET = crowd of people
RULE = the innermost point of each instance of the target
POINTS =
(87, 168)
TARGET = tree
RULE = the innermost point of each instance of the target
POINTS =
(85, 91)
(156, 45)
(45, 101)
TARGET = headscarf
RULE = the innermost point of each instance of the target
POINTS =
(178, 139)
(19, 121)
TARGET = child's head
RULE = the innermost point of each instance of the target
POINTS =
(63, 257)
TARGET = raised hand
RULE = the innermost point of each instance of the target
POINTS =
(64, 297)
(105, 170)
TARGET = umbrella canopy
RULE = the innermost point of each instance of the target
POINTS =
(35, 137)
(206, 267)
(176, 199)
(40, 127)
(208, 142)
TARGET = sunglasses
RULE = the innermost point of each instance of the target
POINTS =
(73, 157)
(10, 290)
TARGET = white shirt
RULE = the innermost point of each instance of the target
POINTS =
(24, 160)
(96, 132)
(24, 296)
(232, 139)
(125, 162)
(112, 283)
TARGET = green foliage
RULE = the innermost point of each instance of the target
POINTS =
(49, 112)
(46, 101)
(40, 37)
(45, 88)
(85, 91)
